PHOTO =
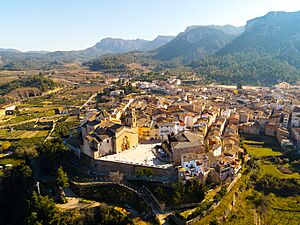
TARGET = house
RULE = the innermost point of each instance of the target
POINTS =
(234, 119)
(295, 118)
(244, 117)
(105, 137)
(149, 131)
(196, 166)
(283, 85)
(224, 169)
(216, 149)
(250, 128)
(286, 120)
(167, 127)
(295, 132)
(283, 137)
(10, 110)
(182, 143)
(116, 92)
(271, 128)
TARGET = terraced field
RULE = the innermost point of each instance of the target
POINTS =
(242, 205)
(20, 134)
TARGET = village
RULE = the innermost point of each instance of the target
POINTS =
(154, 138)
(182, 133)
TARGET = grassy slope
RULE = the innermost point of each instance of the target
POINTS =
(279, 210)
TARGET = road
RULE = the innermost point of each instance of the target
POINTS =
(88, 101)
(28, 121)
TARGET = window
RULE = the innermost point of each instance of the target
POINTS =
(107, 141)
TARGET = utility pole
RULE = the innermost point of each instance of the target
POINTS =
(38, 187)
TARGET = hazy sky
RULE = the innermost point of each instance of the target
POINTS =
(78, 24)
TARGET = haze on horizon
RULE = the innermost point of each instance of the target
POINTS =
(75, 24)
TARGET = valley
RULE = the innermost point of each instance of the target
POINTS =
(202, 127)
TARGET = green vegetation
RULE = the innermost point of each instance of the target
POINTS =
(61, 178)
(51, 154)
(11, 160)
(261, 146)
(43, 211)
(4, 146)
(22, 62)
(282, 187)
(145, 172)
(117, 63)
(63, 128)
(39, 82)
(108, 64)
(27, 147)
(263, 193)
(251, 68)
(110, 193)
(177, 193)
(20, 134)
(17, 184)
(269, 168)
(245, 205)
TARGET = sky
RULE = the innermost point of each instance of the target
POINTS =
(78, 24)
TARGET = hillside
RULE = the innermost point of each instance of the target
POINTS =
(267, 52)
(198, 41)
(276, 33)
(23, 88)
(11, 59)
(246, 68)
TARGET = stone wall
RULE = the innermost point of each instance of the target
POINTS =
(128, 169)
(105, 167)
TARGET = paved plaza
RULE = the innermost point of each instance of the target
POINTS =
(141, 155)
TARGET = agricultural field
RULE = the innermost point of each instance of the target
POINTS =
(12, 161)
(261, 146)
(267, 167)
(20, 134)
(239, 206)
(244, 204)
(28, 116)
(69, 96)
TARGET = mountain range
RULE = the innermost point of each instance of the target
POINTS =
(268, 46)
(277, 32)
(105, 46)
(198, 40)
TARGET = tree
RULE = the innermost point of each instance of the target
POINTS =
(223, 191)
(116, 177)
(42, 211)
(217, 197)
(61, 178)
(51, 153)
(17, 185)
(239, 86)
(145, 172)
(213, 222)
(5, 146)
(30, 151)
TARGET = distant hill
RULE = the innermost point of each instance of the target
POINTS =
(12, 59)
(267, 52)
(9, 50)
(198, 41)
(276, 33)
(24, 88)
(116, 45)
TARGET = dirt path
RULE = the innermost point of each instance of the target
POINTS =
(77, 203)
